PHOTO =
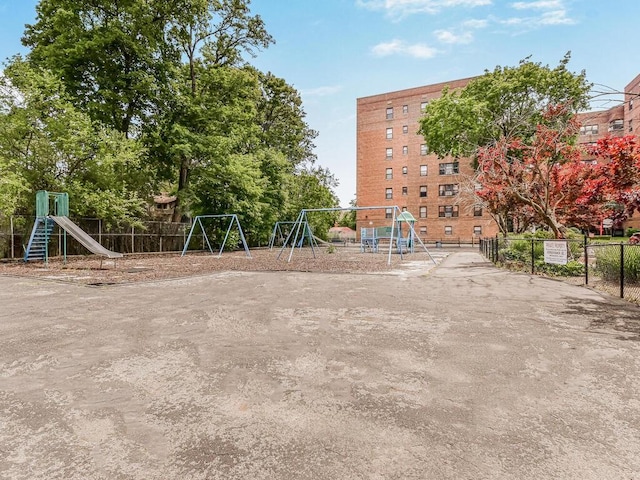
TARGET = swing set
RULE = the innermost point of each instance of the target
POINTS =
(301, 232)
(233, 220)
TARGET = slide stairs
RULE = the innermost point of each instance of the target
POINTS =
(37, 246)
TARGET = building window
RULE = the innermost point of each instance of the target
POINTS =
(423, 212)
(405, 150)
(423, 149)
(388, 213)
(589, 130)
(449, 168)
(631, 125)
(389, 113)
(631, 104)
(405, 129)
(423, 106)
(404, 209)
(389, 174)
(477, 211)
(447, 211)
(405, 109)
(477, 230)
(388, 193)
(389, 133)
(448, 230)
(448, 189)
(423, 231)
(405, 191)
(423, 190)
(616, 125)
(389, 152)
(423, 170)
(405, 170)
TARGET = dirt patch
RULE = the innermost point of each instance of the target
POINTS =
(91, 270)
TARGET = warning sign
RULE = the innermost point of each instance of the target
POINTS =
(555, 251)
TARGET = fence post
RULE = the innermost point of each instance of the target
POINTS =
(13, 240)
(133, 240)
(621, 270)
(533, 251)
(586, 261)
(100, 231)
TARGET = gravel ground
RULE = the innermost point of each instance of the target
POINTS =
(92, 270)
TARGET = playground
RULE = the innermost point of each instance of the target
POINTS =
(93, 270)
(211, 247)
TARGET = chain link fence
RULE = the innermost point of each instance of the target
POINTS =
(148, 237)
(613, 268)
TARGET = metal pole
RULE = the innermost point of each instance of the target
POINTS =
(226, 235)
(621, 270)
(393, 221)
(244, 241)
(13, 240)
(301, 216)
(186, 242)
(532, 256)
(586, 261)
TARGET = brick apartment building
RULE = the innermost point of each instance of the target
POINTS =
(394, 167)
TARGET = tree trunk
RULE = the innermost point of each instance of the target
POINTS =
(183, 183)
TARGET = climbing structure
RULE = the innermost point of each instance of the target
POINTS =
(38, 246)
(48, 203)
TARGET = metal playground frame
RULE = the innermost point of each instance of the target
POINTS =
(302, 230)
(233, 219)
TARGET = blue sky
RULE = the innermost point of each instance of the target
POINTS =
(335, 51)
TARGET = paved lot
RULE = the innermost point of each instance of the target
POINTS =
(461, 372)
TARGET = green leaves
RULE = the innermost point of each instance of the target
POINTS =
(116, 99)
(506, 103)
(48, 144)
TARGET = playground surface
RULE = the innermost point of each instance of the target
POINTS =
(94, 270)
(458, 371)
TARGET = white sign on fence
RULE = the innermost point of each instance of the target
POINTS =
(555, 251)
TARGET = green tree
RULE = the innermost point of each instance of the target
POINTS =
(313, 188)
(47, 144)
(281, 119)
(174, 77)
(114, 58)
(507, 103)
(505, 106)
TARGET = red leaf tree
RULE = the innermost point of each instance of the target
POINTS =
(544, 181)
(619, 182)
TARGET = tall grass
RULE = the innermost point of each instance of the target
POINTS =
(608, 263)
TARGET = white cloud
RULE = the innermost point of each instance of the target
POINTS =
(446, 36)
(475, 24)
(550, 12)
(398, 47)
(399, 9)
(538, 5)
(556, 17)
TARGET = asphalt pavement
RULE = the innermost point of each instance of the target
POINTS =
(458, 371)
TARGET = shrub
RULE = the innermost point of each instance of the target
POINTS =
(608, 263)
(573, 268)
(233, 240)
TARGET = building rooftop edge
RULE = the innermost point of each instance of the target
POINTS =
(438, 85)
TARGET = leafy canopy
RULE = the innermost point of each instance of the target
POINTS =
(507, 103)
